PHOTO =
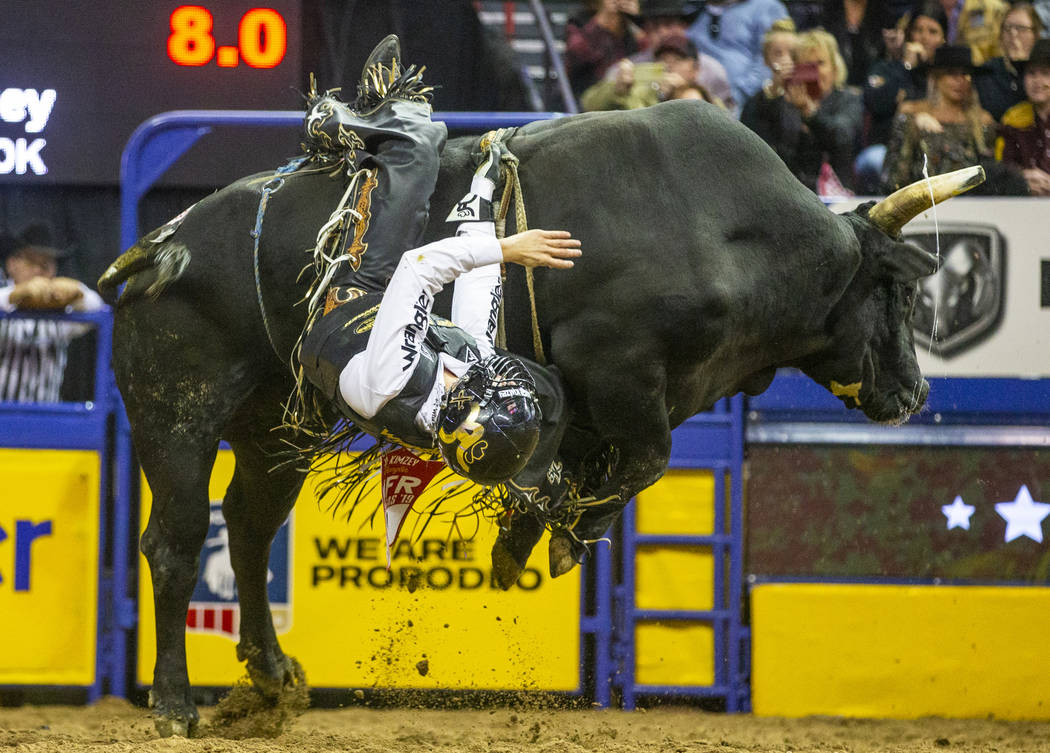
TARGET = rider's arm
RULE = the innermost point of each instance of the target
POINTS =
(382, 370)
(476, 299)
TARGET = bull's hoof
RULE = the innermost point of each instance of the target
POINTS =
(175, 727)
(174, 722)
(505, 569)
(246, 711)
(513, 547)
(276, 676)
(565, 553)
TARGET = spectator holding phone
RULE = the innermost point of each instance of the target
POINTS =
(808, 115)
(998, 81)
(645, 84)
(662, 19)
(1025, 133)
(597, 38)
(778, 53)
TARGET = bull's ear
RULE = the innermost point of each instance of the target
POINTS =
(905, 262)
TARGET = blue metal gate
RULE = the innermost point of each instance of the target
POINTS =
(714, 441)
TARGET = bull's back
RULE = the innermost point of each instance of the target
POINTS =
(685, 217)
(229, 280)
(666, 200)
(682, 156)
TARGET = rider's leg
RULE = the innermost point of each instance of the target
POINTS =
(399, 146)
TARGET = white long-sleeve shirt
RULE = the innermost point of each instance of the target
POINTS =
(380, 372)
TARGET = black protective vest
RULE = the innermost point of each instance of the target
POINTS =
(344, 332)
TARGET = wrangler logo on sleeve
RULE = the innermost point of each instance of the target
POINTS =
(415, 329)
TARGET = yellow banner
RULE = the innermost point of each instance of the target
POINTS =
(435, 619)
(49, 531)
(900, 652)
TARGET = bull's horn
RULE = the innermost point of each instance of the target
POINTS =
(901, 207)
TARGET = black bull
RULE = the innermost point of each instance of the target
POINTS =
(706, 266)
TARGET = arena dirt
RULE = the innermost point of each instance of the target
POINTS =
(116, 726)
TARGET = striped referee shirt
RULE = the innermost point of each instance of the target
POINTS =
(33, 352)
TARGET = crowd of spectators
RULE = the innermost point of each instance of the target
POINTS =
(856, 97)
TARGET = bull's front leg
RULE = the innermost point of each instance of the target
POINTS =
(635, 472)
(629, 413)
(257, 503)
(540, 486)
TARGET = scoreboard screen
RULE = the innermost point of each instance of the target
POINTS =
(78, 78)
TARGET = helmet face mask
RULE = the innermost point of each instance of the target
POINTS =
(489, 423)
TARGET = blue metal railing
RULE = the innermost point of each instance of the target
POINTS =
(561, 76)
(47, 425)
(159, 142)
(81, 426)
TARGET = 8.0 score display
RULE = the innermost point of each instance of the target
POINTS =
(80, 75)
(262, 38)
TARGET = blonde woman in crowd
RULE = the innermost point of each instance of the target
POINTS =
(778, 53)
(947, 131)
(976, 23)
(805, 112)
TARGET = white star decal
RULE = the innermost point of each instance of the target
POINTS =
(1023, 516)
(958, 514)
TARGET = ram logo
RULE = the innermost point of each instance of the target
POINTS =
(213, 607)
(962, 302)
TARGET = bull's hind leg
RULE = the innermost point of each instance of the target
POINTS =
(179, 390)
(178, 523)
(257, 502)
(177, 463)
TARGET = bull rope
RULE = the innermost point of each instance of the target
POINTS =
(272, 186)
(513, 189)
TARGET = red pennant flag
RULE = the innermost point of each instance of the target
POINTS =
(405, 476)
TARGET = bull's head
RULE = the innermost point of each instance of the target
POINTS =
(869, 361)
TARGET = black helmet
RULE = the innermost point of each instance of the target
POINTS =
(489, 421)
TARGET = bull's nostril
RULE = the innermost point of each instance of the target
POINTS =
(913, 399)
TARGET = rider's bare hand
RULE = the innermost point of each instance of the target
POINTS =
(541, 248)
